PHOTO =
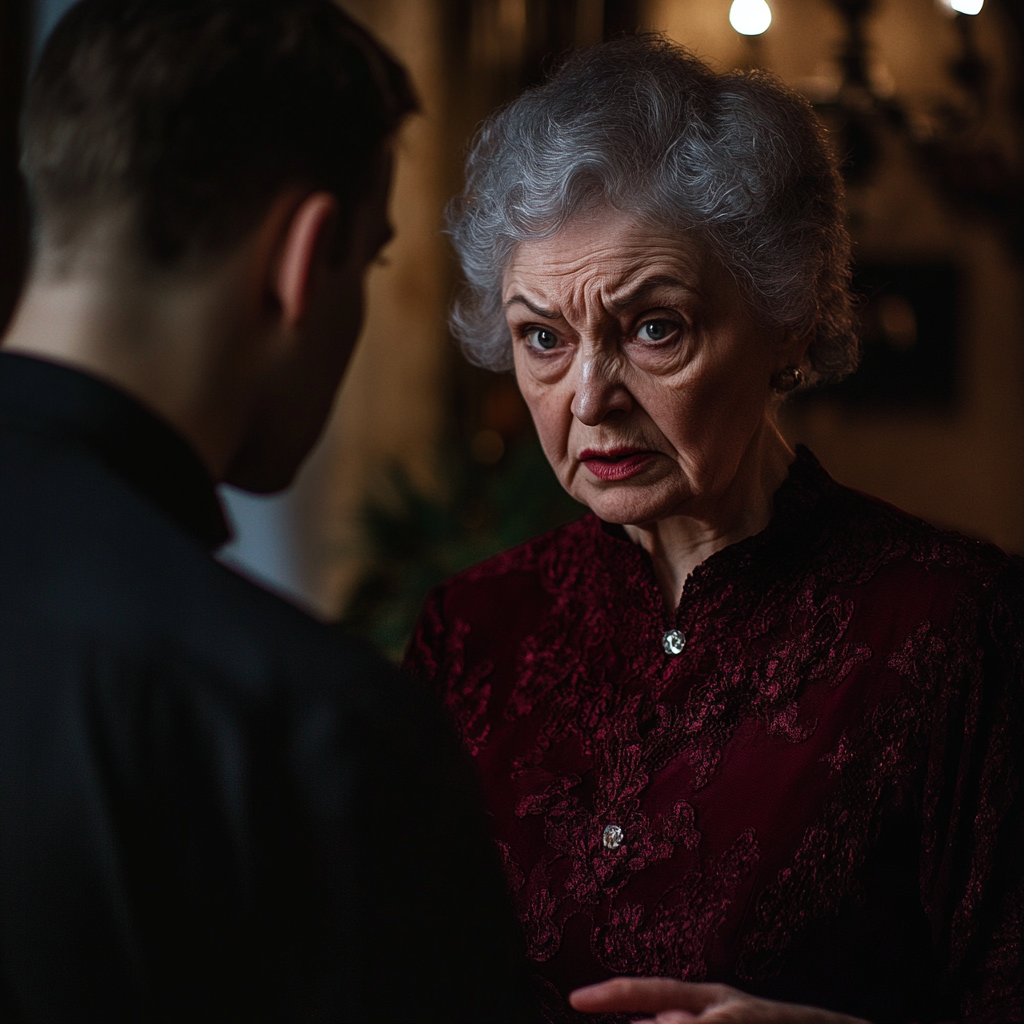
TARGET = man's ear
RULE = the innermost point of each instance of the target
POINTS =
(305, 250)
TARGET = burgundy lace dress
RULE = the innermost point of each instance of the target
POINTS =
(804, 783)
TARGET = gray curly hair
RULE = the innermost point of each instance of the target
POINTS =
(643, 126)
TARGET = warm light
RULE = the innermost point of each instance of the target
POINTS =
(965, 6)
(752, 17)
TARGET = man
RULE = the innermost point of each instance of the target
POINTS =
(212, 807)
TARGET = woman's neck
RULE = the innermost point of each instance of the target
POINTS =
(677, 544)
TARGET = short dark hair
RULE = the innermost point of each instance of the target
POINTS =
(192, 115)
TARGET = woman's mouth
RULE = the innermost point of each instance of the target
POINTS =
(616, 463)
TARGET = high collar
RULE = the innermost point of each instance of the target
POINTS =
(58, 401)
(791, 533)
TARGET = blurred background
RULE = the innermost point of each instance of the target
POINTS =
(428, 465)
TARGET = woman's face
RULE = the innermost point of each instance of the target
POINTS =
(647, 378)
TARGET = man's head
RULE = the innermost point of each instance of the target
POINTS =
(232, 159)
(189, 116)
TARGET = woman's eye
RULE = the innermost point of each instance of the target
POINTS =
(542, 339)
(656, 330)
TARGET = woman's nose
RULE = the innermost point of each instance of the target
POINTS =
(599, 391)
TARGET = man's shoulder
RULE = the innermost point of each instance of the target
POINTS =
(85, 555)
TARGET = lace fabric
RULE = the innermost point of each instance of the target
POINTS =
(816, 800)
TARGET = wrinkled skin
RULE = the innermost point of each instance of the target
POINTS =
(632, 338)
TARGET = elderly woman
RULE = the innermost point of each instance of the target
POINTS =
(740, 725)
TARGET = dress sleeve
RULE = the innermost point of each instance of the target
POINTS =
(973, 836)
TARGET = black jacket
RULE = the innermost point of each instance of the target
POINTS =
(212, 807)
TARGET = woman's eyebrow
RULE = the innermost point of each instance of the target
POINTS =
(649, 285)
(547, 314)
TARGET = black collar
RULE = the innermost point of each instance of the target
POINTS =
(58, 401)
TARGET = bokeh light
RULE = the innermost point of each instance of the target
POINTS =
(752, 17)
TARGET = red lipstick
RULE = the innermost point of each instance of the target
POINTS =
(616, 463)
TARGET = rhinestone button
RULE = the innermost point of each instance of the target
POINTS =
(673, 642)
(612, 837)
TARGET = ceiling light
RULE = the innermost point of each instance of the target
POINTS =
(964, 6)
(752, 17)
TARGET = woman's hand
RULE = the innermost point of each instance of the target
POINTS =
(671, 1002)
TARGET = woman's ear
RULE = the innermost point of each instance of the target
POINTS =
(798, 344)
(305, 250)
(791, 351)
(789, 359)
